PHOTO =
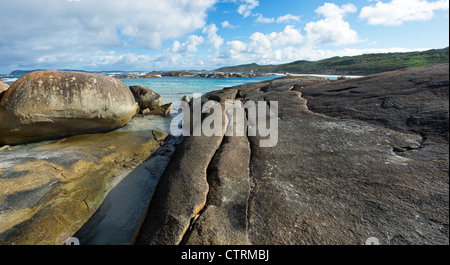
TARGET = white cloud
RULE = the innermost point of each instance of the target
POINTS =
(288, 18)
(34, 30)
(289, 36)
(264, 46)
(261, 19)
(282, 19)
(332, 29)
(238, 53)
(189, 46)
(213, 38)
(246, 7)
(226, 24)
(235, 49)
(396, 12)
(330, 10)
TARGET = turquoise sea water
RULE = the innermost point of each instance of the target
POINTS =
(172, 89)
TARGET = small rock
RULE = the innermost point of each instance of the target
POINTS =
(163, 110)
(160, 135)
(146, 98)
(186, 99)
(146, 111)
(5, 148)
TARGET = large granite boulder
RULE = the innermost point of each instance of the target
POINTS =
(55, 104)
(48, 191)
(146, 98)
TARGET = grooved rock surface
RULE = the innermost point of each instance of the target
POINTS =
(355, 159)
(224, 218)
(180, 194)
(182, 191)
(47, 192)
(55, 104)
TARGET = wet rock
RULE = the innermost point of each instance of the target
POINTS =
(47, 192)
(160, 135)
(54, 104)
(5, 148)
(146, 112)
(161, 111)
(186, 99)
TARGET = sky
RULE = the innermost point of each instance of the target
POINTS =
(152, 35)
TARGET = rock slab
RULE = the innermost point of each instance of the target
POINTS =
(48, 192)
(355, 159)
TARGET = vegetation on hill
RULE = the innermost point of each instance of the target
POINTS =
(351, 65)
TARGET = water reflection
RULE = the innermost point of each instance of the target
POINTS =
(119, 216)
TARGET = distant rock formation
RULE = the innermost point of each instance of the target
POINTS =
(24, 72)
(177, 74)
(54, 104)
(135, 76)
(227, 75)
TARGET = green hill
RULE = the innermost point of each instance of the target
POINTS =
(350, 65)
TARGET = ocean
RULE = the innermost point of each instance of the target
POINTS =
(172, 89)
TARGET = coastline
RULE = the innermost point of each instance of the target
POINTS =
(333, 161)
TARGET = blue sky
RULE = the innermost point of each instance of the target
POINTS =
(151, 35)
